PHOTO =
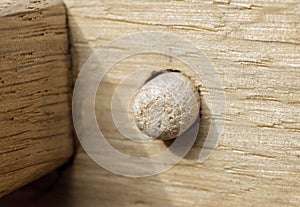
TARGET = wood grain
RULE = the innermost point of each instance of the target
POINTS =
(36, 130)
(255, 48)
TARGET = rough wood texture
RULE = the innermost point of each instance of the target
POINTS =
(36, 130)
(255, 47)
(166, 106)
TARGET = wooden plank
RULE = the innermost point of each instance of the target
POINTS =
(255, 48)
(36, 129)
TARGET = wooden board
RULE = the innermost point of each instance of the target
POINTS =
(255, 48)
(36, 131)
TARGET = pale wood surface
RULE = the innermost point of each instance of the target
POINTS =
(255, 47)
(166, 106)
(36, 132)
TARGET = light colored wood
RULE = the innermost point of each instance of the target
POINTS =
(166, 106)
(255, 48)
(36, 130)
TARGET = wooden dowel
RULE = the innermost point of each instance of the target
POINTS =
(166, 106)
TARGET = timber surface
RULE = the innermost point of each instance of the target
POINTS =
(36, 130)
(255, 48)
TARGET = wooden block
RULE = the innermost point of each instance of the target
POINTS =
(255, 47)
(36, 129)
